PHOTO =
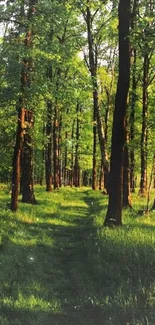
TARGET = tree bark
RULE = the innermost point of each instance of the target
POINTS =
(97, 123)
(48, 149)
(126, 176)
(27, 163)
(76, 165)
(144, 133)
(16, 159)
(22, 136)
(55, 148)
(114, 212)
(133, 100)
(132, 124)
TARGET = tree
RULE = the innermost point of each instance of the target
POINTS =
(114, 212)
(25, 123)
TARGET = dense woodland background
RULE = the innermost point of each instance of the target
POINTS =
(64, 69)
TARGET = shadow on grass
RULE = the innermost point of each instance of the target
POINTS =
(71, 276)
(59, 270)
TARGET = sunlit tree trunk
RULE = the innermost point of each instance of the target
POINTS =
(17, 158)
(27, 164)
(144, 133)
(55, 148)
(59, 151)
(97, 122)
(114, 212)
(48, 148)
(23, 135)
(132, 123)
(76, 165)
(126, 175)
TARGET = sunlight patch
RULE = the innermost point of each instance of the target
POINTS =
(32, 303)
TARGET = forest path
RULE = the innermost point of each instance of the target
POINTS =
(49, 274)
(74, 261)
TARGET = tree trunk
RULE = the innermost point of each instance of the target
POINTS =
(55, 148)
(144, 134)
(114, 212)
(133, 100)
(16, 159)
(132, 122)
(97, 126)
(94, 173)
(101, 178)
(48, 149)
(76, 165)
(25, 84)
(59, 151)
(66, 160)
(126, 176)
(27, 163)
(71, 174)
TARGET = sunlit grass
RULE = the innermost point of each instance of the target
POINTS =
(60, 266)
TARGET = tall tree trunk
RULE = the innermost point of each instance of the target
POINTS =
(134, 82)
(126, 175)
(101, 177)
(132, 123)
(48, 149)
(55, 148)
(27, 164)
(59, 151)
(96, 109)
(94, 173)
(71, 174)
(25, 84)
(114, 212)
(16, 159)
(144, 134)
(76, 165)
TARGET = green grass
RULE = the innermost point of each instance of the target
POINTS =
(59, 266)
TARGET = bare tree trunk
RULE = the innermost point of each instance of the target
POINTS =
(55, 148)
(132, 126)
(48, 149)
(114, 212)
(134, 82)
(94, 153)
(126, 176)
(59, 151)
(96, 110)
(16, 159)
(21, 127)
(66, 160)
(76, 165)
(27, 164)
(144, 134)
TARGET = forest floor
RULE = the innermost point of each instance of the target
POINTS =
(60, 266)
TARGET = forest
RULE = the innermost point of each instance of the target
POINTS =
(77, 172)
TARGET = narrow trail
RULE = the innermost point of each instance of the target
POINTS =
(50, 273)
(74, 266)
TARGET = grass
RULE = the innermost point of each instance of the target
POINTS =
(59, 266)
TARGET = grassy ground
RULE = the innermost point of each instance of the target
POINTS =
(59, 266)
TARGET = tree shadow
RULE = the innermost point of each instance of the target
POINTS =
(65, 276)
